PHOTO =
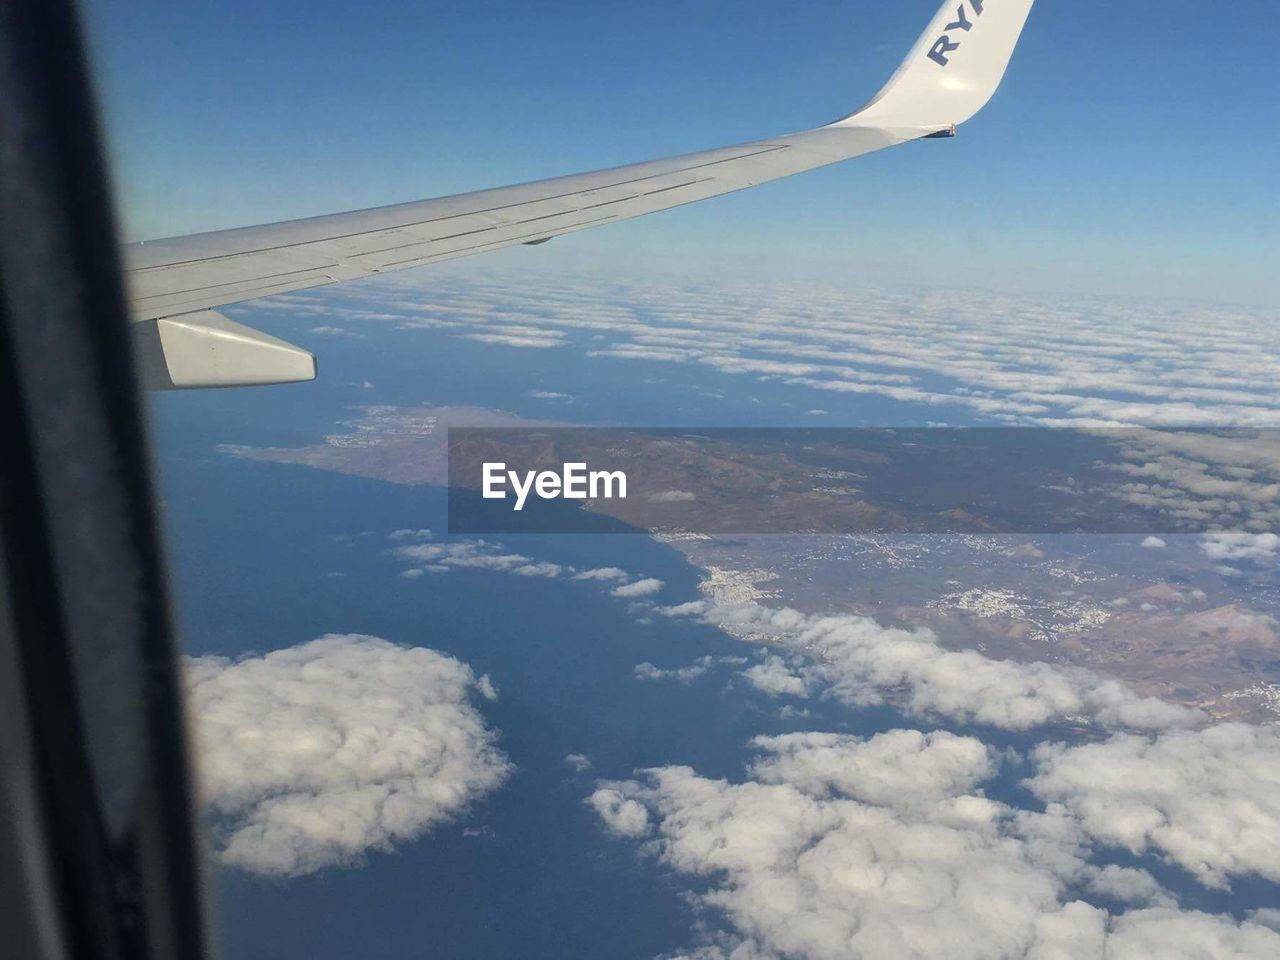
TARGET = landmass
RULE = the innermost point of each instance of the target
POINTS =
(1173, 622)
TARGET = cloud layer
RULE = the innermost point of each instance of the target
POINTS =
(964, 354)
(313, 755)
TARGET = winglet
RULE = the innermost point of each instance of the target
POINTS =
(952, 71)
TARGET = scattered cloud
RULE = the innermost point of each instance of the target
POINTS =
(538, 569)
(442, 556)
(1154, 543)
(579, 762)
(838, 847)
(695, 670)
(993, 357)
(862, 663)
(312, 756)
(776, 678)
(641, 588)
(902, 766)
(602, 573)
(409, 534)
(528, 341)
(430, 555)
(1240, 546)
(1208, 800)
(621, 816)
(672, 496)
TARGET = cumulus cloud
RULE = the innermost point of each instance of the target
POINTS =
(429, 555)
(837, 847)
(410, 534)
(863, 663)
(539, 568)
(485, 686)
(893, 768)
(579, 762)
(602, 573)
(535, 340)
(641, 588)
(621, 816)
(1240, 546)
(672, 496)
(1208, 800)
(699, 668)
(1153, 543)
(474, 555)
(775, 678)
(311, 756)
(686, 674)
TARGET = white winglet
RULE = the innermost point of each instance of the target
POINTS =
(952, 71)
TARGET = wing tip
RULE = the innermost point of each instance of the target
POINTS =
(952, 71)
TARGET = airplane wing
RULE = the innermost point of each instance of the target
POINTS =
(174, 284)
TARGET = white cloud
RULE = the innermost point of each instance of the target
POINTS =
(837, 847)
(1200, 479)
(621, 816)
(579, 762)
(641, 588)
(672, 496)
(695, 670)
(999, 358)
(1268, 917)
(1208, 800)
(902, 766)
(409, 534)
(862, 663)
(1153, 543)
(1164, 932)
(474, 555)
(602, 573)
(775, 678)
(486, 687)
(1240, 546)
(539, 569)
(313, 755)
(507, 339)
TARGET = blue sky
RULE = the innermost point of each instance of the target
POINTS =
(1132, 149)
